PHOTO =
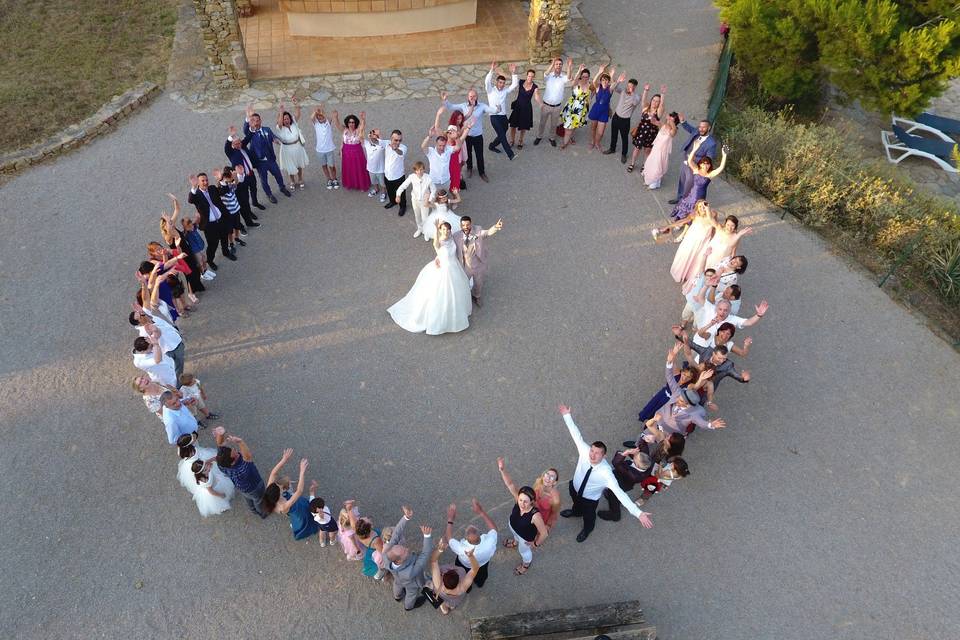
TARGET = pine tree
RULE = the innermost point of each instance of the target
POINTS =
(892, 56)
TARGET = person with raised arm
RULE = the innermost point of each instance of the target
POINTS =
(526, 524)
(483, 545)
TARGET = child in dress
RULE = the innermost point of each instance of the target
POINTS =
(346, 534)
(321, 515)
(195, 397)
(197, 247)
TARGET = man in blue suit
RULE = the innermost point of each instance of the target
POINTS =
(703, 144)
(233, 149)
(258, 141)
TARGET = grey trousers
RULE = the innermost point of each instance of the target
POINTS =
(178, 356)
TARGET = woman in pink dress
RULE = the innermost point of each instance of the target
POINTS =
(657, 163)
(726, 237)
(694, 242)
(353, 161)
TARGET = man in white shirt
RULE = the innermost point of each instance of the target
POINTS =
(326, 149)
(394, 171)
(167, 336)
(484, 546)
(711, 316)
(439, 158)
(149, 358)
(473, 112)
(592, 475)
(177, 417)
(556, 83)
(422, 189)
(497, 92)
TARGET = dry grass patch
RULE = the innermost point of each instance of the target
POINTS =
(61, 60)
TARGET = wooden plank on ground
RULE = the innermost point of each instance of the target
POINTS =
(534, 624)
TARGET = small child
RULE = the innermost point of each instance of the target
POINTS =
(346, 534)
(375, 148)
(197, 247)
(195, 397)
(321, 515)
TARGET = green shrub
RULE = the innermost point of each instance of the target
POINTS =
(810, 171)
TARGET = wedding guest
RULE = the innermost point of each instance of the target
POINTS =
(245, 187)
(177, 418)
(716, 355)
(441, 206)
(688, 260)
(258, 141)
(574, 113)
(702, 145)
(228, 195)
(237, 464)
(726, 240)
(497, 92)
(630, 468)
(353, 164)
(473, 111)
(592, 475)
(346, 535)
(368, 541)
(482, 545)
(526, 524)
(293, 156)
(188, 229)
(626, 105)
(729, 271)
(167, 335)
(555, 85)
(178, 243)
(521, 109)
(712, 316)
(450, 582)
(150, 393)
(454, 131)
(422, 190)
(189, 451)
(194, 396)
(662, 476)
(211, 211)
(326, 149)
(293, 503)
(703, 173)
(394, 171)
(645, 132)
(438, 157)
(149, 357)
(407, 567)
(548, 497)
(471, 240)
(233, 149)
(374, 148)
(599, 113)
(683, 412)
(658, 161)
(321, 515)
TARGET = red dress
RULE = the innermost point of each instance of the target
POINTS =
(545, 507)
(455, 163)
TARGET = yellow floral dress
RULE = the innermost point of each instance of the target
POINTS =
(574, 114)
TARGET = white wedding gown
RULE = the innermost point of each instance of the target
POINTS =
(439, 301)
(441, 212)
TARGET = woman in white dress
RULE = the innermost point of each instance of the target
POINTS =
(726, 239)
(439, 301)
(214, 490)
(293, 157)
(440, 212)
(190, 453)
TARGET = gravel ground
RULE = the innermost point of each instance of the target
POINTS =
(800, 520)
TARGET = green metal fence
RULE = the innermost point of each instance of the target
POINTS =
(720, 82)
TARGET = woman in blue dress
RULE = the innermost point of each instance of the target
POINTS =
(703, 173)
(278, 498)
(600, 111)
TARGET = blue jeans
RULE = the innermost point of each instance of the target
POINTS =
(499, 124)
(271, 166)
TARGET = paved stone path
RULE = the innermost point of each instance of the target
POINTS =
(824, 511)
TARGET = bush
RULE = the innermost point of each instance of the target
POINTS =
(810, 171)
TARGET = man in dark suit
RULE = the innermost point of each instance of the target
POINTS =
(206, 198)
(233, 149)
(258, 141)
(703, 144)
(246, 187)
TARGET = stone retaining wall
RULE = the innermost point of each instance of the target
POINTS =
(220, 29)
(73, 136)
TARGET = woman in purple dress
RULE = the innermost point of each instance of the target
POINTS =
(703, 173)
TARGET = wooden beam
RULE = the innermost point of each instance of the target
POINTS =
(533, 624)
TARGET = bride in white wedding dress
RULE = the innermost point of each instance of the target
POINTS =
(439, 301)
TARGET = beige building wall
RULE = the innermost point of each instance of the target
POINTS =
(443, 15)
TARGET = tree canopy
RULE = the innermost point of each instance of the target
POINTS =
(894, 56)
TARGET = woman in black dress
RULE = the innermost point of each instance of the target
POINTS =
(646, 130)
(521, 117)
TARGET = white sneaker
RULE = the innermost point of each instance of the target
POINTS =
(329, 184)
(336, 184)
(417, 233)
(371, 193)
(383, 197)
(655, 185)
(208, 275)
(323, 543)
(426, 239)
(655, 233)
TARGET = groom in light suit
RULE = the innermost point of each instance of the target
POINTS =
(703, 144)
(472, 254)
(407, 567)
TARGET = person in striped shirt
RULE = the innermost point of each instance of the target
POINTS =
(228, 194)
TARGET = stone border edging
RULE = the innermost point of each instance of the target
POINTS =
(76, 135)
